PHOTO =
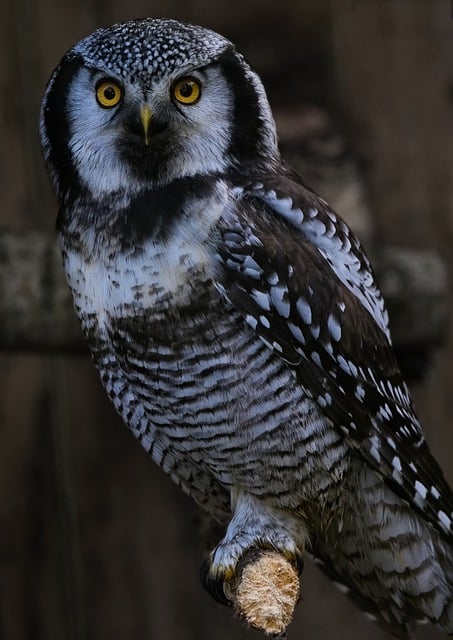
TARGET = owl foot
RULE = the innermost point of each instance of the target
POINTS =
(260, 580)
(254, 530)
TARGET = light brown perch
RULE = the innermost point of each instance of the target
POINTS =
(265, 591)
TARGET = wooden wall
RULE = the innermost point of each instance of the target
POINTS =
(95, 542)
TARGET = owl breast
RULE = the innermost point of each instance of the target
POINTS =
(205, 396)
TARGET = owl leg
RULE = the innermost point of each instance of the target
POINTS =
(254, 526)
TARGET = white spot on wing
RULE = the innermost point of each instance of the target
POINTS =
(334, 328)
(420, 493)
(252, 321)
(297, 333)
(375, 448)
(420, 487)
(284, 206)
(251, 268)
(316, 359)
(444, 519)
(343, 364)
(279, 297)
(304, 310)
(396, 473)
(391, 443)
(261, 299)
(359, 392)
(314, 330)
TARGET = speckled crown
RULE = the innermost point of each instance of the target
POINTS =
(150, 46)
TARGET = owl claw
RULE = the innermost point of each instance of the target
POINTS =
(298, 562)
(213, 582)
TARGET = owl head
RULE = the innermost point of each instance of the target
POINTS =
(142, 103)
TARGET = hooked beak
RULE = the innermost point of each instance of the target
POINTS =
(145, 118)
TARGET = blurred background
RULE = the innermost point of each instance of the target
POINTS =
(95, 542)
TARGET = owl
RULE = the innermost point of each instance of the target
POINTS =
(236, 322)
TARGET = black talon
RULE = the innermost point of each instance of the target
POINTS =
(214, 586)
(299, 559)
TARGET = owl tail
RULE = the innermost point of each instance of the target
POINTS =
(394, 564)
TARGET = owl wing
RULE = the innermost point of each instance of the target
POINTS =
(303, 283)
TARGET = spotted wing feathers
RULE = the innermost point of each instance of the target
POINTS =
(303, 283)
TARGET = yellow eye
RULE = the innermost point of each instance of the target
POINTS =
(187, 90)
(108, 93)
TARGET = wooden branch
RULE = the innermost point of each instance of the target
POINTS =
(36, 310)
(265, 591)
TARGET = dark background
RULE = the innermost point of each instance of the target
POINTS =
(95, 542)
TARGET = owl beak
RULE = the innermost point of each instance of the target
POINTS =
(145, 118)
